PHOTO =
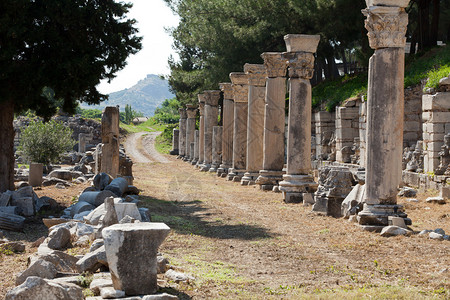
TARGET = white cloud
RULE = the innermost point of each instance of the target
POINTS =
(152, 17)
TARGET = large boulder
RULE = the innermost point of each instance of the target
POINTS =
(39, 288)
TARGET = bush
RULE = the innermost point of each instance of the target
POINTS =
(45, 142)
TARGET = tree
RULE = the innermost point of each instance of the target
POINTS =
(45, 142)
(52, 50)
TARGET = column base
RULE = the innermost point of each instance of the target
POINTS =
(267, 179)
(294, 187)
(327, 206)
(249, 178)
(180, 156)
(213, 168)
(235, 175)
(194, 162)
(204, 167)
(222, 171)
(174, 152)
(374, 217)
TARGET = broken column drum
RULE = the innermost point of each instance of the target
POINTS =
(182, 134)
(110, 141)
(227, 130)
(201, 141)
(239, 82)
(191, 112)
(35, 174)
(211, 120)
(274, 121)
(386, 27)
(255, 121)
(175, 141)
(297, 181)
(82, 142)
(216, 149)
(196, 140)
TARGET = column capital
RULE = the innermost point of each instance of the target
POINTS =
(183, 114)
(256, 74)
(201, 108)
(212, 97)
(227, 90)
(275, 64)
(301, 64)
(191, 111)
(201, 98)
(240, 86)
(301, 42)
(386, 26)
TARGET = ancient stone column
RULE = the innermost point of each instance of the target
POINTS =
(201, 141)
(196, 140)
(227, 130)
(110, 141)
(300, 55)
(386, 24)
(216, 149)
(182, 134)
(35, 174)
(175, 141)
(211, 120)
(191, 112)
(255, 121)
(82, 142)
(240, 95)
(274, 120)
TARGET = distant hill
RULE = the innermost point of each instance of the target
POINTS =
(144, 96)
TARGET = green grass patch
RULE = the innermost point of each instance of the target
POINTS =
(163, 142)
(151, 125)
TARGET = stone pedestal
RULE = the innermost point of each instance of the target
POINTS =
(385, 103)
(35, 175)
(216, 149)
(182, 132)
(191, 112)
(110, 141)
(131, 251)
(201, 139)
(298, 179)
(274, 121)
(227, 130)
(175, 141)
(196, 140)
(255, 121)
(240, 96)
(82, 142)
(211, 120)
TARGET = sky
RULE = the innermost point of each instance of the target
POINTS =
(152, 17)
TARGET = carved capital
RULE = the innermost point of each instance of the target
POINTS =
(201, 108)
(256, 74)
(201, 98)
(386, 26)
(183, 114)
(275, 64)
(225, 87)
(301, 64)
(191, 111)
(240, 93)
(212, 97)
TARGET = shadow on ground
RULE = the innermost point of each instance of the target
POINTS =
(192, 217)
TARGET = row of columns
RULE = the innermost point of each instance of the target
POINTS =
(249, 147)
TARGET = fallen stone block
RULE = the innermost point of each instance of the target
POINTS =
(81, 206)
(13, 246)
(438, 200)
(39, 288)
(101, 180)
(353, 203)
(100, 280)
(436, 236)
(59, 238)
(63, 262)
(93, 260)
(118, 186)
(64, 174)
(25, 204)
(394, 231)
(127, 209)
(131, 250)
(177, 277)
(111, 293)
(96, 198)
(407, 192)
(40, 268)
(163, 296)
(11, 222)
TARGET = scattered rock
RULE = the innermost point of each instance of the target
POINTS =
(40, 268)
(127, 209)
(436, 236)
(81, 206)
(100, 280)
(352, 204)
(132, 190)
(96, 198)
(118, 186)
(145, 214)
(440, 231)
(177, 276)
(13, 246)
(111, 293)
(63, 262)
(394, 231)
(412, 200)
(424, 232)
(96, 244)
(162, 264)
(407, 192)
(39, 288)
(60, 186)
(59, 238)
(101, 180)
(163, 296)
(93, 260)
(438, 200)
(127, 219)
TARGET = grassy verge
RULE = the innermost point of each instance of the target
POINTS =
(151, 125)
(432, 65)
(163, 142)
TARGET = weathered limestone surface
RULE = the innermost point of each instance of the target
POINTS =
(82, 142)
(297, 181)
(347, 129)
(182, 132)
(211, 118)
(385, 111)
(175, 142)
(255, 121)
(35, 175)
(216, 148)
(201, 143)
(240, 95)
(191, 112)
(196, 146)
(228, 129)
(131, 251)
(274, 121)
(325, 131)
(110, 141)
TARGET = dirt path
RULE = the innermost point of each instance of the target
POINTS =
(141, 148)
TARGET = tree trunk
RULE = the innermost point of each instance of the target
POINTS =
(6, 146)
(424, 24)
(435, 23)
(412, 50)
(344, 61)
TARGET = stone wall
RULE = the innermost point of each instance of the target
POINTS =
(324, 124)
(347, 129)
(412, 126)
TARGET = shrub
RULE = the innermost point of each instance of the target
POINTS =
(45, 142)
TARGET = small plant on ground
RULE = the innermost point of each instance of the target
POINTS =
(45, 142)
